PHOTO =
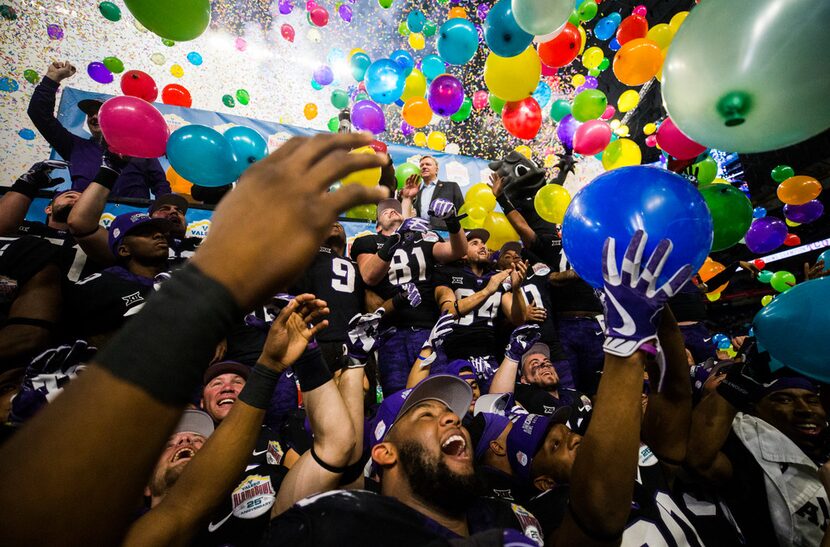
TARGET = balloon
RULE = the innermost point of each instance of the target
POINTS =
(765, 235)
(496, 103)
(759, 212)
(319, 16)
(752, 110)
(345, 12)
(705, 170)
(436, 140)
(368, 116)
(365, 177)
(676, 143)
(661, 35)
(403, 58)
(707, 271)
(179, 20)
(415, 85)
(677, 20)
(551, 201)
(542, 93)
(113, 64)
(339, 99)
(542, 17)
(310, 111)
(457, 12)
(202, 155)
(559, 109)
(562, 49)
(805, 213)
(731, 214)
(385, 81)
(781, 281)
(589, 105)
(792, 240)
(619, 202)
(621, 153)
(416, 112)
(480, 195)
(500, 230)
(359, 63)
(780, 173)
(502, 33)
(248, 147)
(415, 21)
(404, 171)
(385, 4)
(565, 131)
(136, 83)
(628, 100)
(194, 58)
(608, 113)
(243, 96)
(110, 11)
(416, 41)
(457, 41)
(464, 111)
(420, 139)
(631, 28)
(99, 73)
(587, 10)
(446, 94)
(592, 57)
(433, 66)
(176, 95)
(637, 62)
(178, 184)
(323, 75)
(605, 27)
(513, 78)
(287, 32)
(475, 217)
(766, 299)
(524, 150)
(523, 118)
(798, 190)
(133, 127)
(480, 99)
(765, 276)
(592, 137)
(429, 28)
(333, 124)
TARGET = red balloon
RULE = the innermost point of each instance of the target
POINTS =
(135, 83)
(176, 95)
(522, 118)
(287, 32)
(319, 16)
(759, 263)
(563, 48)
(632, 27)
(792, 240)
(377, 146)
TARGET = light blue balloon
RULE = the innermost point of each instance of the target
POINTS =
(606, 27)
(248, 146)
(457, 41)
(403, 58)
(793, 329)
(415, 21)
(542, 93)
(359, 63)
(202, 155)
(385, 81)
(433, 66)
(194, 58)
(825, 256)
(335, 56)
(759, 212)
(502, 33)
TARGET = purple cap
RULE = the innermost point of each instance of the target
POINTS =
(526, 438)
(486, 427)
(461, 368)
(790, 381)
(124, 224)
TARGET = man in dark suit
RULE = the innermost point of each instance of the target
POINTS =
(432, 188)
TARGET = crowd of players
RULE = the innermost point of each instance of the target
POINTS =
(412, 388)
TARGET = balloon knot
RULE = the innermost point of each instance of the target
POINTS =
(733, 107)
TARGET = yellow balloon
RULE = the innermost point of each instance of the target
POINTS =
(420, 139)
(650, 128)
(513, 78)
(661, 34)
(621, 153)
(365, 177)
(474, 219)
(416, 40)
(578, 80)
(480, 195)
(524, 150)
(713, 296)
(592, 57)
(677, 20)
(584, 39)
(622, 131)
(628, 100)
(720, 181)
(415, 85)
(177, 71)
(551, 201)
(355, 50)
(551, 160)
(791, 224)
(615, 124)
(436, 140)
(766, 299)
(500, 230)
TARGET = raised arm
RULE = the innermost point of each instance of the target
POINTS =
(526, 233)
(42, 108)
(514, 304)
(15, 203)
(448, 302)
(421, 367)
(521, 340)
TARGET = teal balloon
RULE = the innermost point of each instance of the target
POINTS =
(433, 66)
(502, 33)
(559, 109)
(542, 93)
(385, 81)
(178, 20)
(793, 329)
(590, 104)
(464, 112)
(415, 21)
(339, 99)
(457, 41)
(765, 276)
(735, 76)
(359, 63)
(430, 28)
(202, 155)
(731, 214)
(248, 146)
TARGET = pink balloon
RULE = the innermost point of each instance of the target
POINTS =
(609, 112)
(651, 141)
(676, 143)
(548, 70)
(133, 127)
(592, 137)
(319, 16)
(480, 99)
(640, 10)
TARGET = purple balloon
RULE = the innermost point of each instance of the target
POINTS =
(805, 213)
(285, 7)
(345, 12)
(407, 129)
(482, 10)
(590, 82)
(367, 115)
(446, 94)
(323, 75)
(100, 73)
(566, 130)
(765, 235)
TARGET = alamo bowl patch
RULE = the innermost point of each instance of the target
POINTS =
(253, 497)
(540, 269)
(530, 525)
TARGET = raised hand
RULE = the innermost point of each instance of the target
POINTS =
(518, 273)
(521, 340)
(38, 174)
(442, 208)
(292, 331)
(414, 224)
(497, 279)
(411, 187)
(365, 336)
(60, 70)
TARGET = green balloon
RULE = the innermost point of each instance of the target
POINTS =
(731, 214)
(385, 4)
(114, 65)
(604, 64)
(780, 173)
(780, 281)
(403, 29)
(429, 28)
(574, 18)
(243, 96)
(594, 72)
(587, 10)
(404, 171)
(339, 99)
(360, 97)
(590, 104)
(110, 11)
(496, 103)
(334, 124)
(228, 101)
(705, 171)
(178, 20)
(31, 76)
(168, 43)
(559, 109)
(463, 112)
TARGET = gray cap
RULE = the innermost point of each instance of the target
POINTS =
(389, 203)
(195, 421)
(538, 347)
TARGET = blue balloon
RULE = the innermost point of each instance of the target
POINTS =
(793, 329)
(433, 66)
(359, 63)
(194, 58)
(502, 33)
(620, 202)
(542, 93)
(403, 58)
(825, 256)
(385, 81)
(457, 41)
(606, 27)
(202, 155)
(718, 338)
(614, 45)
(759, 212)
(248, 146)
(415, 21)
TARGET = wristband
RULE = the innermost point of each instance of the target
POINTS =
(649, 348)
(311, 370)
(328, 467)
(26, 188)
(505, 203)
(260, 387)
(165, 349)
(106, 177)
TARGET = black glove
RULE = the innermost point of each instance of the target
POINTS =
(111, 166)
(37, 178)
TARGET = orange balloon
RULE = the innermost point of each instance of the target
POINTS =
(416, 112)
(638, 61)
(798, 190)
(710, 269)
(457, 12)
(178, 184)
(310, 111)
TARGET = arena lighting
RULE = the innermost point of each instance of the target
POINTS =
(795, 251)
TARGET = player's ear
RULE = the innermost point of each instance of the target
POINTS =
(48, 209)
(147, 493)
(202, 403)
(123, 252)
(498, 448)
(385, 454)
(544, 483)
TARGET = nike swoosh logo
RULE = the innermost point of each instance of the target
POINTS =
(213, 527)
(707, 339)
(258, 452)
(628, 327)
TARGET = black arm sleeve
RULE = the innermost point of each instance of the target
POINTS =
(42, 113)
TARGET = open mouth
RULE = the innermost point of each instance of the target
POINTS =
(182, 454)
(808, 428)
(455, 446)
(226, 402)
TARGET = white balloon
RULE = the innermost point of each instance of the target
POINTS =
(548, 37)
(540, 17)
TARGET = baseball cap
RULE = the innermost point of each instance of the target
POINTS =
(225, 367)
(168, 199)
(124, 224)
(526, 438)
(195, 421)
(789, 381)
(538, 347)
(478, 233)
(485, 427)
(514, 246)
(461, 368)
(496, 403)
(90, 107)
(450, 390)
(389, 203)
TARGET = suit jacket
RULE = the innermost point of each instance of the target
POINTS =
(443, 189)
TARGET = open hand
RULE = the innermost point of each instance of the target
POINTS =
(292, 331)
